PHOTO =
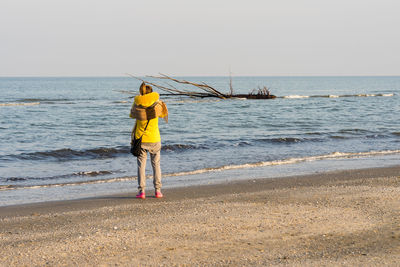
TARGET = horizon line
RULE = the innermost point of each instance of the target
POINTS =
(126, 76)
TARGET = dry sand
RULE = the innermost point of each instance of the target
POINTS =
(347, 218)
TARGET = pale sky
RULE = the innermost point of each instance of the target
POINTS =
(207, 37)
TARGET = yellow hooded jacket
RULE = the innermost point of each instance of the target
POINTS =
(152, 133)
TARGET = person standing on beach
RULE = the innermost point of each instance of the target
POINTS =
(146, 109)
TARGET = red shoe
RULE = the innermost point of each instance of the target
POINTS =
(141, 195)
(159, 194)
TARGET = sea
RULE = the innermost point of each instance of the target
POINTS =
(65, 138)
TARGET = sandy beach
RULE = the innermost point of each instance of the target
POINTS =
(343, 218)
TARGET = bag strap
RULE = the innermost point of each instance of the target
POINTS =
(146, 126)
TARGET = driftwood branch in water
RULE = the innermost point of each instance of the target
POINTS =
(203, 86)
(205, 89)
(174, 91)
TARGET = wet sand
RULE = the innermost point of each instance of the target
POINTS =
(344, 218)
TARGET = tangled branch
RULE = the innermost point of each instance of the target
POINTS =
(205, 89)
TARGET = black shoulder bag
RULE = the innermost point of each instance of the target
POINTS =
(136, 144)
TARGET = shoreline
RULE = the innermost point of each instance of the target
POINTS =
(338, 218)
(263, 170)
(179, 193)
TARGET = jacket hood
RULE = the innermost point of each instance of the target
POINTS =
(147, 99)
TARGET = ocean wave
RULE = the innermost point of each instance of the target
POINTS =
(387, 94)
(296, 96)
(19, 104)
(374, 136)
(339, 137)
(27, 100)
(93, 173)
(336, 96)
(76, 174)
(7, 187)
(242, 143)
(176, 147)
(41, 101)
(280, 140)
(288, 140)
(354, 131)
(102, 181)
(66, 154)
(34, 101)
(334, 155)
(70, 154)
(15, 179)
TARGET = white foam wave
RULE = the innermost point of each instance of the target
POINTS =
(334, 155)
(19, 104)
(122, 179)
(335, 96)
(296, 96)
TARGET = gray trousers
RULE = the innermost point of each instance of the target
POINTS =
(154, 150)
